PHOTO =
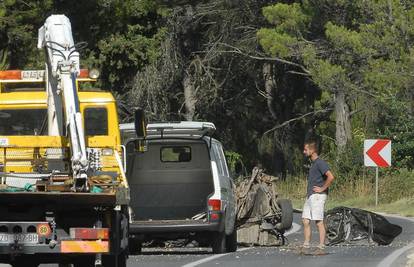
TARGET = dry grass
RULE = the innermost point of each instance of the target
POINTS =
(396, 193)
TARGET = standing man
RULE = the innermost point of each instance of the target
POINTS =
(319, 180)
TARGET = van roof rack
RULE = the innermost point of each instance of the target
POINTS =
(175, 129)
(183, 128)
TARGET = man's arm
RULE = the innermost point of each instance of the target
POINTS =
(328, 182)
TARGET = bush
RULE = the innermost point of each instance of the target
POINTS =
(396, 185)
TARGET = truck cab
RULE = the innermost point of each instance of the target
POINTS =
(42, 217)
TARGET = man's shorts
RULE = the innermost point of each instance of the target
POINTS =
(314, 207)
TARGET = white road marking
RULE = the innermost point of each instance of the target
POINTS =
(388, 261)
(294, 229)
(195, 263)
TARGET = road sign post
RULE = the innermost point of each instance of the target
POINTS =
(376, 186)
(377, 153)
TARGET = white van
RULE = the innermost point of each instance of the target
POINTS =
(180, 186)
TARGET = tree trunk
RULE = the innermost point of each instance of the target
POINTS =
(189, 96)
(281, 144)
(343, 123)
(270, 85)
(412, 103)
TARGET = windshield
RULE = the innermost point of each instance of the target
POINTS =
(23, 122)
(24, 87)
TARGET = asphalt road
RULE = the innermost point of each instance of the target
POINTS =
(376, 256)
(396, 254)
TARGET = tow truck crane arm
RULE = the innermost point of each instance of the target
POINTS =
(62, 57)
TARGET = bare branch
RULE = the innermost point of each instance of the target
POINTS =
(297, 118)
(24, 2)
(237, 50)
(371, 94)
(298, 73)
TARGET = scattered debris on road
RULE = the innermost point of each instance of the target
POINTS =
(351, 225)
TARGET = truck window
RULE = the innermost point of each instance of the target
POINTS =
(24, 87)
(23, 122)
(176, 154)
(96, 121)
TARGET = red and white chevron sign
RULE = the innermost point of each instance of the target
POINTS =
(377, 153)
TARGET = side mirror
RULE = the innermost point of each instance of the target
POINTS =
(140, 123)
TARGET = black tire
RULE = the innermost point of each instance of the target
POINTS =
(24, 264)
(135, 246)
(82, 261)
(114, 260)
(218, 243)
(231, 241)
(287, 213)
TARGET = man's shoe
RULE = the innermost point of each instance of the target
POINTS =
(320, 251)
(304, 250)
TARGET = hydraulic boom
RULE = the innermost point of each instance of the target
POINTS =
(62, 68)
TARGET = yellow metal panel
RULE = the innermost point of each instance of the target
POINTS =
(95, 97)
(101, 141)
(23, 99)
(35, 141)
(37, 97)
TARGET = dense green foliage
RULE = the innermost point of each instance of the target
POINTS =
(268, 73)
(361, 49)
(122, 36)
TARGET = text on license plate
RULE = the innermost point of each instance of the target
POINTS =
(21, 238)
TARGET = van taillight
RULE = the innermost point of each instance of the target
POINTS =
(214, 204)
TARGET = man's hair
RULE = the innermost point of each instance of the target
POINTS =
(313, 144)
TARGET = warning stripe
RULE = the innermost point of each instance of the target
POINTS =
(72, 246)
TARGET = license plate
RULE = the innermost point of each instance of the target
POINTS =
(21, 238)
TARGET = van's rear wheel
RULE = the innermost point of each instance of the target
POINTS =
(218, 243)
(231, 241)
(81, 261)
(24, 264)
(135, 246)
(115, 260)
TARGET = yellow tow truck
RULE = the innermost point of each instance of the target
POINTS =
(63, 191)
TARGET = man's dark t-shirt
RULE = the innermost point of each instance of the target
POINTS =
(317, 175)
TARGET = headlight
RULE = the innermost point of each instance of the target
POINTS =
(107, 152)
(94, 74)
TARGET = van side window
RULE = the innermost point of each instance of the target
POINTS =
(96, 121)
(175, 154)
(223, 161)
(216, 153)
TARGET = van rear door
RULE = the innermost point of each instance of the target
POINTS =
(171, 180)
